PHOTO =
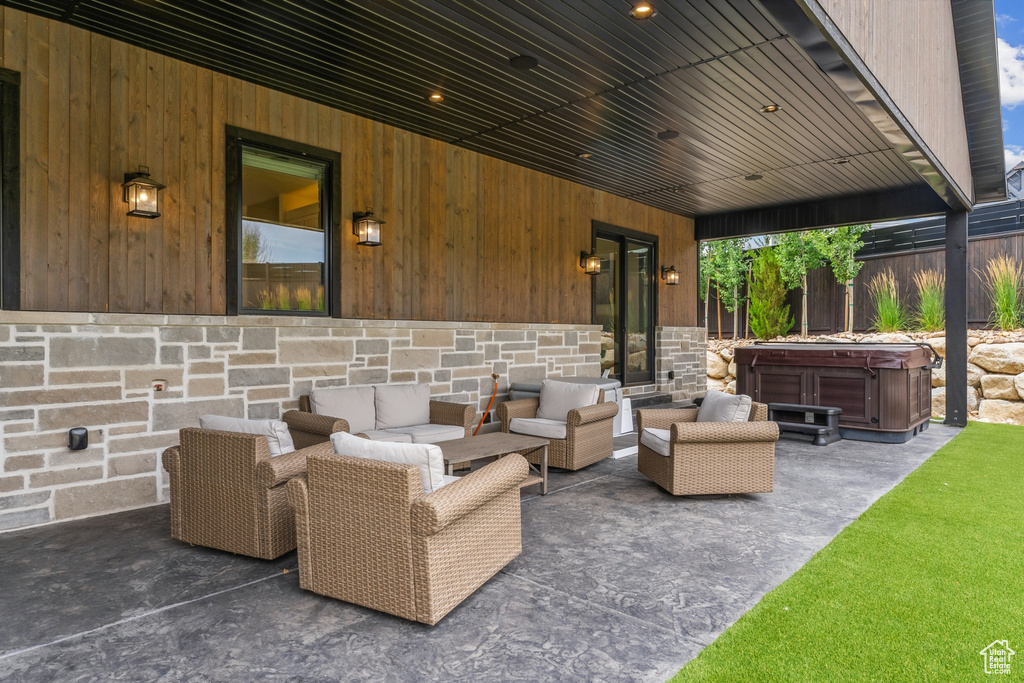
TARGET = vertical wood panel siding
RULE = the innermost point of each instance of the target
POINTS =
(468, 237)
(918, 69)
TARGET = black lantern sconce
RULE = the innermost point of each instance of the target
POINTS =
(142, 194)
(366, 228)
(670, 275)
(590, 263)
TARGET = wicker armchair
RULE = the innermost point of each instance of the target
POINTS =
(368, 535)
(309, 429)
(228, 493)
(441, 413)
(710, 457)
(588, 433)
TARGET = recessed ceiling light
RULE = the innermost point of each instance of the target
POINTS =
(584, 155)
(435, 97)
(753, 176)
(839, 161)
(524, 62)
(642, 10)
(770, 108)
(668, 135)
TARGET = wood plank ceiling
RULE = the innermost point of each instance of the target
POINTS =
(605, 84)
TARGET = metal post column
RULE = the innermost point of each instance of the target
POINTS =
(956, 318)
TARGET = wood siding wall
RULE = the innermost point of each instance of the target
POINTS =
(468, 237)
(918, 68)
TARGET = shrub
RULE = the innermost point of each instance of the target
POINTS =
(890, 313)
(930, 315)
(303, 298)
(769, 312)
(1003, 278)
(284, 297)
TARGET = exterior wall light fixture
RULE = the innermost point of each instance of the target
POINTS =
(670, 275)
(366, 228)
(590, 263)
(142, 194)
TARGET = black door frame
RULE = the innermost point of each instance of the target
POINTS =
(615, 232)
(10, 190)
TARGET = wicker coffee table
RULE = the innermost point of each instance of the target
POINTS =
(497, 444)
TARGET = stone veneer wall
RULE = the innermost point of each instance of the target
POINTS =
(682, 350)
(65, 370)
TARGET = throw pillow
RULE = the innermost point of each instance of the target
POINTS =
(427, 457)
(279, 439)
(558, 398)
(402, 405)
(722, 407)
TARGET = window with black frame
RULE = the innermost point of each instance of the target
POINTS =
(282, 215)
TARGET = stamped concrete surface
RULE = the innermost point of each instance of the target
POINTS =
(618, 581)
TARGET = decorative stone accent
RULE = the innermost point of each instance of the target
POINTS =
(999, 386)
(717, 366)
(995, 410)
(1001, 358)
(939, 376)
(97, 370)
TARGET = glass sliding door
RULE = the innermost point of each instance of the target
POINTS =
(624, 303)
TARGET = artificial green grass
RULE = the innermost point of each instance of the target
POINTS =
(913, 590)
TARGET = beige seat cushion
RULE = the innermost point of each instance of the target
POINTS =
(402, 405)
(427, 457)
(387, 435)
(279, 439)
(354, 404)
(537, 426)
(721, 407)
(658, 440)
(558, 398)
(430, 433)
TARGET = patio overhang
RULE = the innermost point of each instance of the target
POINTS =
(605, 85)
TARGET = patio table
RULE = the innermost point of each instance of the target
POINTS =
(497, 444)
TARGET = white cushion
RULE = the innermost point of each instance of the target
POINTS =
(354, 404)
(387, 435)
(402, 405)
(558, 398)
(721, 407)
(658, 440)
(538, 426)
(449, 479)
(427, 457)
(279, 439)
(430, 433)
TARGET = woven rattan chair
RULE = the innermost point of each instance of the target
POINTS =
(588, 432)
(441, 413)
(309, 429)
(228, 493)
(710, 457)
(368, 535)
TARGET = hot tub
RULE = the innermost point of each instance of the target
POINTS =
(884, 390)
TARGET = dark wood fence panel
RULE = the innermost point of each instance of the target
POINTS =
(468, 237)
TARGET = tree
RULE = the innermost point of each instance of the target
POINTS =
(704, 275)
(254, 248)
(841, 247)
(769, 312)
(729, 271)
(798, 253)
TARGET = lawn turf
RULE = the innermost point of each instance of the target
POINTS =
(912, 590)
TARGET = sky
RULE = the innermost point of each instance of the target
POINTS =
(1010, 33)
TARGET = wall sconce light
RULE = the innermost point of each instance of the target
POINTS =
(366, 228)
(670, 275)
(590, 263)
(142, 194)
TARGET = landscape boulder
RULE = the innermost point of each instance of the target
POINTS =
(999, 386)
(717, 367)
(998, 410)
(1007, 359)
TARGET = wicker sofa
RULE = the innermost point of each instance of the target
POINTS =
(367, 533)
(709, 457)
(585, 437)
(228, 493)
(441, 413)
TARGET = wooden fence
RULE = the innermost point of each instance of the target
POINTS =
(905, 249)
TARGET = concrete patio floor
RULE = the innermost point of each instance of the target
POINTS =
(618, 581)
